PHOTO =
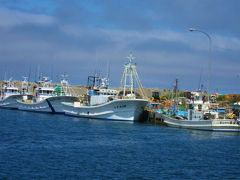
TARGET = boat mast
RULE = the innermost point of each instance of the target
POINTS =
(64, 83)
(25, 85)
(131, 73)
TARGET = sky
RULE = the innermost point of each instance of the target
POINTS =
(88, 37)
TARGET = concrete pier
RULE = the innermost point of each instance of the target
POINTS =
(151, 116)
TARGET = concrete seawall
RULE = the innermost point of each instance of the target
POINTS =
(151, 116)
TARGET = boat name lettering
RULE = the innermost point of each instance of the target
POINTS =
(120, 106)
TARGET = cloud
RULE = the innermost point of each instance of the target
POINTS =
(81, 37)
(153, 14)
(226, 43)
(10, 18)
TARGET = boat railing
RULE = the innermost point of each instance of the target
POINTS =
(225, 121)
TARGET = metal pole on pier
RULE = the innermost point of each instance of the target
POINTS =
(210, 52)
(176, 92)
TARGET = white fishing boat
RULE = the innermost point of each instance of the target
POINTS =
(196, 120)
(104, 103)
(9, 94)
(40, 101)
(63, 93)
(26, 95)
(199, 115)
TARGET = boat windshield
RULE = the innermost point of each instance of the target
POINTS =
(46, 92)
(12, 90)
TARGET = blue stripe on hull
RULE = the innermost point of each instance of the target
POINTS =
(105, 119)
(50, 105)
(216, 130)
(45, 112)
(9, 108)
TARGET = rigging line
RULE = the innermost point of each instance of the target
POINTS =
(200, 79)
(139, 83)
(121, 81)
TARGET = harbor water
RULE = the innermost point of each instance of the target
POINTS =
(46, 146)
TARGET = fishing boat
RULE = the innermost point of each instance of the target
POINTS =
(39, 102)
(9, 94)
(199, 115)
(101, 102)
(26, 95)
(197, 120)
(63, 93)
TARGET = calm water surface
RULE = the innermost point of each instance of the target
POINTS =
(42, 146)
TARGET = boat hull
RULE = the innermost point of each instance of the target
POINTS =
(56, 103)
(41, 107)
(118, 110)
(230, 125)
(10, 102)
(227, 125)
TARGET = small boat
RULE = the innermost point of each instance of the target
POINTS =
(9, 94)
(199, 115)
(197, 120)
(39, 101)
(101, 102)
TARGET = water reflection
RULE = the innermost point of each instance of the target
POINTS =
(212, 134)
(199, 134)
